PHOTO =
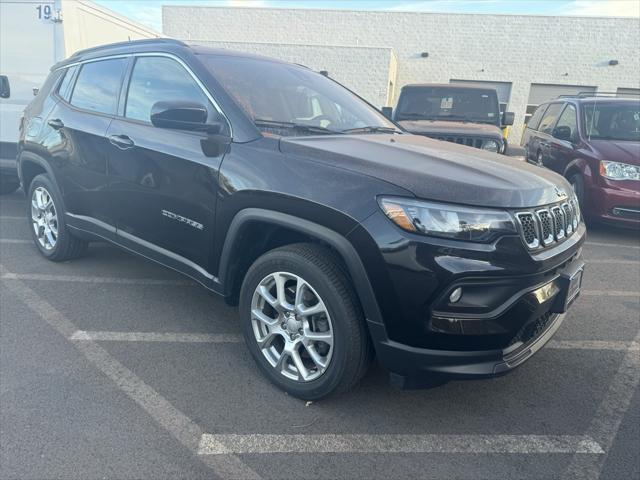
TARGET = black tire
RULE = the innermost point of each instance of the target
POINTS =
(323, 271)
(8, 186)
(577, 183)
(67, 246)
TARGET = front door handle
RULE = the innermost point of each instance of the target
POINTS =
(56, 123)
(123, 142)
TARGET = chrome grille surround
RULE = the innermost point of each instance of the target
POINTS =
(543, 227)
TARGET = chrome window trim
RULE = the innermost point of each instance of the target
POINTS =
(213, 101)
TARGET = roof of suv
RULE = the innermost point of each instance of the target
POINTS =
(168, 45)
(457, 86)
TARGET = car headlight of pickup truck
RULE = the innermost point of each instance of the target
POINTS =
(448, 221)
(619, 171)
(491, 146)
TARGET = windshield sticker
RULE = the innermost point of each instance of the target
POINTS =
(446, 103)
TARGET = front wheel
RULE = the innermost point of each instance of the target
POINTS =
(303, 323)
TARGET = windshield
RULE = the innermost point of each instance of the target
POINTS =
(287, 99)
(613, 121)
(455, 104)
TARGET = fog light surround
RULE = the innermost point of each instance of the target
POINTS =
(455, 295)
(546, 292)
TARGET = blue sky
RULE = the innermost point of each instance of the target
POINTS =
(148, 12)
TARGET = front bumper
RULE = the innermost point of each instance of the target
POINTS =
(619, 204)
(524, 328)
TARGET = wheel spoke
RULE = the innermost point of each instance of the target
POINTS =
(280, 291)
(297, 361)
(263, 317)
(281, 364)
(304, 311)
(324, 337)
(319, 360)
(268, 339)
(264, 293)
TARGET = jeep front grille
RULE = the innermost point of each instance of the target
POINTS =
(468, 141)
(547, 226)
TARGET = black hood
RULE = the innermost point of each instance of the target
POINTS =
(436, 170)
(447, 128)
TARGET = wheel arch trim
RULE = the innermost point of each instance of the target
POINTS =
(337, 241)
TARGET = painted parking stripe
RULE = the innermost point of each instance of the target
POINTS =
(607, 420)
(181, 427)
(613, 262)
(102, 336)
(395, 443)
(11, 217)
(613, 245)
(610, 293)
(18, 241)
(88, 279)
(592, 345)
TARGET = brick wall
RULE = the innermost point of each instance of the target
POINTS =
(507, 48)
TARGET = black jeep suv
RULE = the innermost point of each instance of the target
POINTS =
(338, 234)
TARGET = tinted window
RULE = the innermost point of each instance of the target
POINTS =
(274, 94)
(157, 79)
(537, 116)
(98, 85)
(447, 103)
(550, 117)
(64, 91)
(569, 119)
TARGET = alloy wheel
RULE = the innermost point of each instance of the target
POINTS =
(44, 218)
(292, 326)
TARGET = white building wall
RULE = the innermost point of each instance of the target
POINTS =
(503, 48)
(375, 61)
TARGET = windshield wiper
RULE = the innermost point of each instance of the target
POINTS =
(371, 129)
(302, 127)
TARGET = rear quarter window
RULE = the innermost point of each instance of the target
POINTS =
(64, 90)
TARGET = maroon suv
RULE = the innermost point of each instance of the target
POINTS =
(594, 141)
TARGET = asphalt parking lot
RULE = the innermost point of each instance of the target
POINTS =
(114, 367)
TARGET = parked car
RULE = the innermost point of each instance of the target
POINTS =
(335, 232)
(594, 142)
(468, 115)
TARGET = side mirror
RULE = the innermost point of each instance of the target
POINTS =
(562, 133)
(387, 112)
(5, 88)
(180, 115)
(508, 118)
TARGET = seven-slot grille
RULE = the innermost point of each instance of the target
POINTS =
(468, 141)
(546, 226)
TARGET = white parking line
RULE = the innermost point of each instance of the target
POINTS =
(15, 241)
(606, 422)
(613, 262)
(613, 245)
(11, 217)
(610, 293)
(364, 443)
(592, 345)
(103, 336)
(181, 427)
(87, 279)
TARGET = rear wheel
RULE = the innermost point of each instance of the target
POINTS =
(303, 323)
(46, 216)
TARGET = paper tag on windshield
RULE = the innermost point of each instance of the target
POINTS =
(446, 103)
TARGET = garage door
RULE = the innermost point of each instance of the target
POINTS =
(502, 88)
(540, 92)
(629, 92)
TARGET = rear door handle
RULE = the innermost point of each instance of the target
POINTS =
(56, 123)
(123, 142)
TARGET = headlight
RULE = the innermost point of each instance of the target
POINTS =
(491, 146)
(619, 171)
(448, 221)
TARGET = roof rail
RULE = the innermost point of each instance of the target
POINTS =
(600, 94)
(144, 41)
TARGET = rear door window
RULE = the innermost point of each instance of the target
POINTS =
(98, 85)
(550, 117)
(64, 90)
